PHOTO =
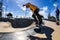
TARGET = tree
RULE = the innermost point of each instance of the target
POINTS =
(9, 15)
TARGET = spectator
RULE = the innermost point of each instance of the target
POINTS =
(57, 16)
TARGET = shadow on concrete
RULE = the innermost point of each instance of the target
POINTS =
(18, 22)
(44, 29)
(22, 23)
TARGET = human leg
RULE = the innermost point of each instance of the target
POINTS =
(35, 18)
(57, 19)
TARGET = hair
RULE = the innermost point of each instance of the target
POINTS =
(28, 3)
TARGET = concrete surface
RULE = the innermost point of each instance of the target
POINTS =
(50, 31)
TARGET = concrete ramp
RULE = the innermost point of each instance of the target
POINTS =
(5, 25)
(16, 25)
(17, 29)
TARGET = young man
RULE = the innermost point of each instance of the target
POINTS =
(35, 10)
(57, 16)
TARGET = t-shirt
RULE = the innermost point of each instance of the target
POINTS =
(31, 6)
(57, 11)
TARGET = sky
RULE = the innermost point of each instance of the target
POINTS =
(16, 7)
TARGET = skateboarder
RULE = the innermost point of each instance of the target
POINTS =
(35, 10)
(57, 16)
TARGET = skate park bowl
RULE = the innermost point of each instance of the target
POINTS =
(16, 29)
(19, 22)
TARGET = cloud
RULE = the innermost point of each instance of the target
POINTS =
(20, 1)
(55, 5)
(20, 4)
(44, 11)
(30, 14)
(41, 12)
(5, 12)
(4, 6)
(23, 8)
(45, 8)
(53, 13)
